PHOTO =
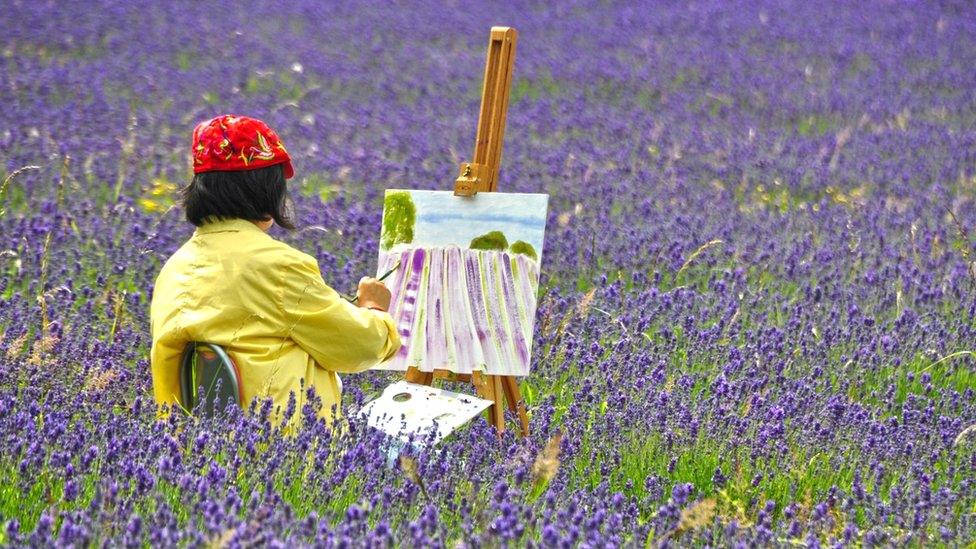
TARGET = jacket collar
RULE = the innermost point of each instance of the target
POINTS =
(227, 226)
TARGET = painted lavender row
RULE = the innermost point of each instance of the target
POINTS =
(459, 309)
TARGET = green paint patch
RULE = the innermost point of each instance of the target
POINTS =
(524, 248)
(494, 240)
(399, 219)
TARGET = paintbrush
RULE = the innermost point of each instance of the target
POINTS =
(382, 278)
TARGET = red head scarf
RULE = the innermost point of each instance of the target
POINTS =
(231, 143)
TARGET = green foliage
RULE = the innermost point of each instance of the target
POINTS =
(399, 218)
(493, 240)
(813, 125)
(524, 248)
(533, 88)
(185, 60)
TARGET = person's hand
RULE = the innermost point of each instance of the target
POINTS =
(373, 294)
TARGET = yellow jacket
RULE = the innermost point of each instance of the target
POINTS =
(266, 304)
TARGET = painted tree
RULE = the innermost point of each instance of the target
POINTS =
(399, 218)
(524, 248)
(493, 240)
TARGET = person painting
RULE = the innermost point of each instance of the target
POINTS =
(264, 302)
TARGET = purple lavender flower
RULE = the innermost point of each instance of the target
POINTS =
(757, 293)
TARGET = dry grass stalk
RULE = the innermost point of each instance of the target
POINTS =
(735, 316)
(947, 357)
(119, 312)
(45, 321)
(546, 464)
(962, 232)
(127, 151)
(9, 178)
(694, 255)
(16, 347)
(586, 302)
(843, 137)
(697, 515)
(97, 382)
(746, 408)
(222, 540)
(65, 174)
(410, 469)
(563, 324)
(581, 309)
(409, 466)
(42, 348)
(962, 436)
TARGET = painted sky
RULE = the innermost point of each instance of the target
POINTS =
(444, 219)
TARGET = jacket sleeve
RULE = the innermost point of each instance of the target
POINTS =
(165, 354)
(338, 335)
(165, 361)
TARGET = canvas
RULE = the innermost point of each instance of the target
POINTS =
(406, 409)
(464, 296)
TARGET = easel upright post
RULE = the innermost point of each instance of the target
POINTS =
(481, 175)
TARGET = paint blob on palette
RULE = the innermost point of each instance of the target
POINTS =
(464, 297)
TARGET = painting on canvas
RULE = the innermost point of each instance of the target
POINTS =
(464, 296)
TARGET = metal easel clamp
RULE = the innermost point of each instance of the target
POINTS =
(471, 179)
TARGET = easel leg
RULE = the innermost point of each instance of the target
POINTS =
(497, 410)
(515, 403)
(420, 378)
(489, 387)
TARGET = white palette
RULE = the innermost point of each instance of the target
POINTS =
(407, 408)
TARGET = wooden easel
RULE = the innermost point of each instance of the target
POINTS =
(481, 175)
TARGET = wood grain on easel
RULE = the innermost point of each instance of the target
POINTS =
(494, 104)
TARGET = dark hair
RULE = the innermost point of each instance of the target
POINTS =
(254, 195)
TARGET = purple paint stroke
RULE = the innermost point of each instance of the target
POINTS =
(462, 309)
(435, 344)
(490, 263)
(479, 314)
(515, 316)
(420, 269)
(528, 284)
(406, 309)
(467, 347)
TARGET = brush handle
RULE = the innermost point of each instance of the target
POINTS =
(381, 279)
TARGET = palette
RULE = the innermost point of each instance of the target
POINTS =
(406, 409)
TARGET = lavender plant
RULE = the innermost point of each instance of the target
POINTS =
(757, 311)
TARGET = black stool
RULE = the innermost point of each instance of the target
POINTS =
(206, 367)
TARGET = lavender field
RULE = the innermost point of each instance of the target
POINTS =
(756, 321)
